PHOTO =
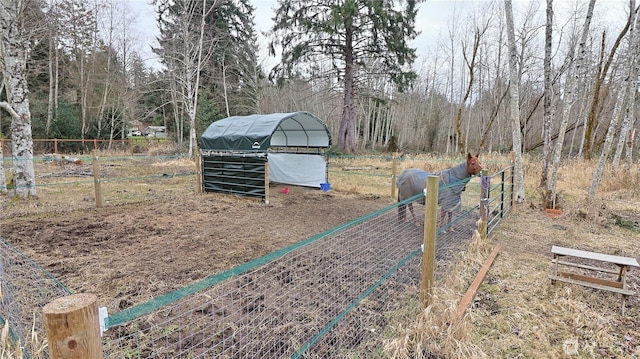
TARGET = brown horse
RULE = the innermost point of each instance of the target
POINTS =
(451, 184)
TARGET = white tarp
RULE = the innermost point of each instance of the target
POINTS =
(297, 169)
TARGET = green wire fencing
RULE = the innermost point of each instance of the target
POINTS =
(333, 295)
(336, 294)
(25, 288)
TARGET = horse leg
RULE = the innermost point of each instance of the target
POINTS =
(402, 211)
(413, 215)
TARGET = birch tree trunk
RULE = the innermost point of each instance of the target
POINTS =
(3, 179)
(621, 103)
(630, 81)
(14, 51)
(600, 77)
(53, 66)
(515, 109)
(548, 118)
(571, 89)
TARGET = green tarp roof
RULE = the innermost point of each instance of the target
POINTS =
(259, 132)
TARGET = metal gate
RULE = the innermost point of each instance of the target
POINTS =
(232, 173)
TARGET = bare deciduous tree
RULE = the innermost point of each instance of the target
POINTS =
(626, 99)
(623, 99)
(570, 90)
(14, 53)
(514, 86)
(603, 71)
(548, 118)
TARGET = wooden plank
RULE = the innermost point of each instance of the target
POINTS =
(583, 278)
(592, 285)
(562, 251)
(584, 266)
(471, 292)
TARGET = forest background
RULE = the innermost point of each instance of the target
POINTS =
(576, 73)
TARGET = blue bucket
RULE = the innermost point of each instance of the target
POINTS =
(325, 187)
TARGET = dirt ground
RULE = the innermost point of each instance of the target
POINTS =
(128, 254)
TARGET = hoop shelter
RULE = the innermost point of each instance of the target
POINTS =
(238, 150)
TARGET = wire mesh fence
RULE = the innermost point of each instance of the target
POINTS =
(25, 288)
(332, 295)
(329, 296)
(123, 179)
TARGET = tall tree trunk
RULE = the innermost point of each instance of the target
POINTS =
(548, 116)
(52, 78)
(347, 135)
(514, 85)
(600, 77)
(571, 89)
(3, 179)
(13, 47)
(631, 81)
(621, 103)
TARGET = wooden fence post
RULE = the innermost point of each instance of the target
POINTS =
(198, 173)
(73, 327)
(394, 169)
(96, 179)
(429, 244)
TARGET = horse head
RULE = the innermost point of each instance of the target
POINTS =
(474, 166)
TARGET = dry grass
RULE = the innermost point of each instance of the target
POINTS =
(10, 349)
(517, 313)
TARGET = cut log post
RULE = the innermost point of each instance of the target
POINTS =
(73, 328)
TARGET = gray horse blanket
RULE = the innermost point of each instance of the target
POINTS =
(451, 184)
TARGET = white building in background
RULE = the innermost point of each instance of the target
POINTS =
(133, 132)
(155, 131)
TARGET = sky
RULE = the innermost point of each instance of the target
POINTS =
(432, 20)
(428, 21)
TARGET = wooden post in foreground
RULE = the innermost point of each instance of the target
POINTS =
(429, 245)
(96, 179)
(73, 328)
(394, 170)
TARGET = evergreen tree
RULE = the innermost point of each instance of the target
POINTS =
(356, 36)
(226, 67)
(233, 68)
